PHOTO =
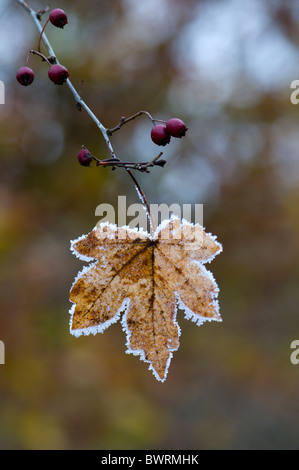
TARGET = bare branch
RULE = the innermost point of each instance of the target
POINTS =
(80, 103)
(139, 166)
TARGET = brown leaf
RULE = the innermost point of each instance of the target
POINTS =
(147, 278)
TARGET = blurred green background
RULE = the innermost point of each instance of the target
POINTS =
(225, 68)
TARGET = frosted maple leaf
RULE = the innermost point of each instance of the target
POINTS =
(146, 278)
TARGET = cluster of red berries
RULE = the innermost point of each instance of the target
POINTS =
(57, 73)
(161, 134)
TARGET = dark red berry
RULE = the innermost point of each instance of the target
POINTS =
(25, 76)
(159, 135)
(58, 18)
(84, 157)
(176, 127)
(58, 74)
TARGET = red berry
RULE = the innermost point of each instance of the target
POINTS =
(159, 135)
(58, 74)
(25, 76)
(84, 157)
(176, 127)
(58, 18)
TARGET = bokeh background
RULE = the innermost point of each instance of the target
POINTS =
(225, 68)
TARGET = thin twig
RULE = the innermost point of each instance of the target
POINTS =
(42, 31)
(140, 166)
(124, 120)
(41, 55)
